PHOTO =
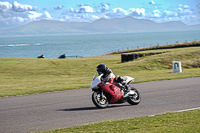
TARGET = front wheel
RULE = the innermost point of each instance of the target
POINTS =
(135, 98)
(100, 101)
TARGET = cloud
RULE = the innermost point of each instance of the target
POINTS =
(82, 9)
(87, 13)
(137, 12)
(184, 6)
(17, 7)
(119, 10)
(5, 6)
(16, 14)
(79, 17)
(85, 9)
(114, 13)
(167, 13)
(104, 7)
(152, 3)
(58, 7)
(156, 13)
(182, 13)
(34, 15)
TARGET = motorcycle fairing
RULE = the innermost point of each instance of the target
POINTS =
(96, 81)
(113, 90)
(128, 79)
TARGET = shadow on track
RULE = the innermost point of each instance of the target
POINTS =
(78, 109)
(90, 108)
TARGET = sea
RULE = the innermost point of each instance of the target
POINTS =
(76, 46)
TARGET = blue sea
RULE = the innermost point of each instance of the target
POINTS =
(87, 45)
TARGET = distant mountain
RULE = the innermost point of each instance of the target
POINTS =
(44, 27)
(101, 26)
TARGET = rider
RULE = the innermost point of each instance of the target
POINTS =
(108, 76)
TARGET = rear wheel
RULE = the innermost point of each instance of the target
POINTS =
(135, 98)
(100, 101)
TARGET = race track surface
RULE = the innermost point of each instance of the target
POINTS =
(47, 111)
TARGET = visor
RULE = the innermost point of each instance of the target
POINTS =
(99, 73)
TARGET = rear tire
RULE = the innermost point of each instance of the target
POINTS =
(99, 101)
(135, 99)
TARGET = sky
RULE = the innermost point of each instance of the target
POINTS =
(15, 13)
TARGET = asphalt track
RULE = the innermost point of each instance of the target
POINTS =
(47, 111)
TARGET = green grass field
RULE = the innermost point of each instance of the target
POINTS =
(28, 76)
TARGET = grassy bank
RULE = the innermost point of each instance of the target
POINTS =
(161, 48)
(28, 76)
(183, 122)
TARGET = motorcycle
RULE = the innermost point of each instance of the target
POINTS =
(123, 92)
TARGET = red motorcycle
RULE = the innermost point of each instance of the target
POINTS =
(122, 92)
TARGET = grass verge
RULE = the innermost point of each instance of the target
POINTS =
(182, 122)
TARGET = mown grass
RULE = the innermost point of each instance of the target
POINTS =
(28, 76)
(182, 122)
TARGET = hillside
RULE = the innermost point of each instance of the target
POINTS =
(101, 26)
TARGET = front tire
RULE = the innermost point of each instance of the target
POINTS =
(99, 101)
(134, 99)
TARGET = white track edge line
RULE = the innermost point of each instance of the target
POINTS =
(179, 111)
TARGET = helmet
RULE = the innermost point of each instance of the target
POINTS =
(101, 68)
